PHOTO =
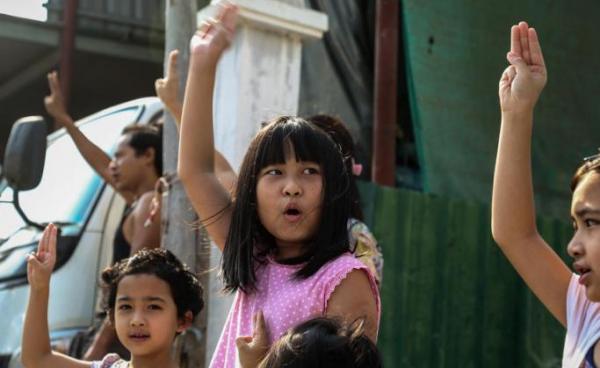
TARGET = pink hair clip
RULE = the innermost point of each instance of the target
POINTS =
(357, 169)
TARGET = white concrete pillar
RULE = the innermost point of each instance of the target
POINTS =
(258, 78)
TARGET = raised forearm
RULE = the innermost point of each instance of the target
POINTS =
(513, 208)
(196, 145)
(36, 340)
(92, 154)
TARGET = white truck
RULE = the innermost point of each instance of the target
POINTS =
(72, 196)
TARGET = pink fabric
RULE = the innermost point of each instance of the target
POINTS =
(583, 324)
(110, 361)
(285, 302)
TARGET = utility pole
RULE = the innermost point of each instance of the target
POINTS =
(386, 87)
(67, 48)
(181, 232)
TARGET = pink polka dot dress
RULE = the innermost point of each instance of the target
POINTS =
(285, 302)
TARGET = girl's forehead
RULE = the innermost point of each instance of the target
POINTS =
(587, 192)
(142, 286)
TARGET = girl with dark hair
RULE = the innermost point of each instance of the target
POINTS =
(283, 233)
(572, 298)
(150, 297)
(319, 342)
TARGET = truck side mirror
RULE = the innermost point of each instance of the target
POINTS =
(25, 153)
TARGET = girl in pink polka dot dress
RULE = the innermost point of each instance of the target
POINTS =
(283, 232)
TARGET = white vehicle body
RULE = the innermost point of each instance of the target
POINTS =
(88, 213)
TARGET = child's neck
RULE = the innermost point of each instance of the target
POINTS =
(288, 250)
(163, 359)
(290, 256)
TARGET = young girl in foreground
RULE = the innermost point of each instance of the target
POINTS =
(571, 298)
(283, 234)
(150, 297)
(319, 342)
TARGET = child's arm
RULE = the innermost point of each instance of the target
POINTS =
(167, 89)
(196, 168)
(354, 299)
(94, 156)
(35, 349)
(513, 210)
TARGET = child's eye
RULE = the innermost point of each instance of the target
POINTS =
(124, 307)
(311, 170)
(590, 222)
(154, 307)
(272, 172)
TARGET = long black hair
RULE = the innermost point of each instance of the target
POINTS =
(248, 242)
(340, 134)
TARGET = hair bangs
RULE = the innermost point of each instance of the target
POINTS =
(291, 134)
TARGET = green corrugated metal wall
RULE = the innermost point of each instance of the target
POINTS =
(450, 298)
(455, 52)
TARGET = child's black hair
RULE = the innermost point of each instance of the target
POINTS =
(324, 343)
(340, 134)
(143, 137)
(185, 287)
(248, 242)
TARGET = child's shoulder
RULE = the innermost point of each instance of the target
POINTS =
(110, 361)
(342, 265)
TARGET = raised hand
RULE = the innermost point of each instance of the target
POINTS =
(214, 35)
(253, 349)
(55, 104)
(167, 88)
(523, 81)
(41, 263)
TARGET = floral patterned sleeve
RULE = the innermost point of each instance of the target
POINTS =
(365, 248)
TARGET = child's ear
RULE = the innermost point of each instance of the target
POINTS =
(185, 322)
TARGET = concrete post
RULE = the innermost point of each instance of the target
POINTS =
(180, 232)
(258, 78)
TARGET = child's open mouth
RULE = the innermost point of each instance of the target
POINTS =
(292, 214)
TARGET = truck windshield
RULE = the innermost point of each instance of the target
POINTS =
(69, 185)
